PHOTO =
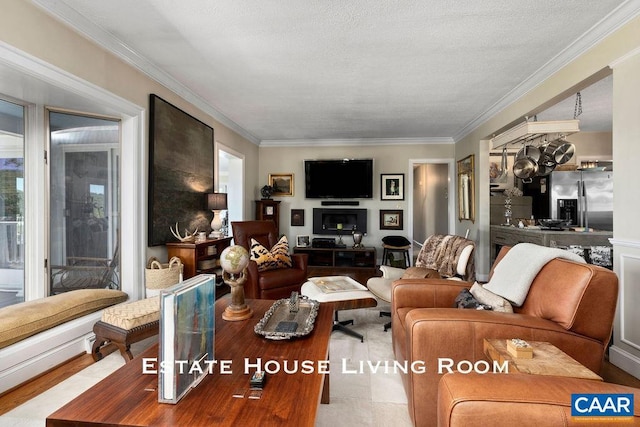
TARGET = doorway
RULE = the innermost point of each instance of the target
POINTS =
(431, 207)
(231, 181)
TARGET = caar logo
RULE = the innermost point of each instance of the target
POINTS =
(602, 405)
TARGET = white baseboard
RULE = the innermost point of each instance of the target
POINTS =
(35, 355)
(624, 360)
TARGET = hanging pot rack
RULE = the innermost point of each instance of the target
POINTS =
(530, 131)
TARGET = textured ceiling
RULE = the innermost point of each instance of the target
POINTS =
(318, 70)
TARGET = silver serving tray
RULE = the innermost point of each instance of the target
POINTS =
(279, 312)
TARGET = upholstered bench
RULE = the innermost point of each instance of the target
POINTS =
(22, 320)
(125, 324)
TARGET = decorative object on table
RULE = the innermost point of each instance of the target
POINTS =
(297, 217)
(281, 323)
(509, 194)
(391, 219)
(339, 231)
(159, 276)
(282, 184)
(392, 186)
(188, 236)
(519, 348)
(303, 241)
(234, 261)
(357, 239)
(216, 202)
(266, 192)
(174, 175)
(466, 189)
(187, 320)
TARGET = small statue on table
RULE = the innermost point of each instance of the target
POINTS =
(234, 261)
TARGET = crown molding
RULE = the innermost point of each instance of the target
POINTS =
(91, 31)
(353, 142)
(606, 26)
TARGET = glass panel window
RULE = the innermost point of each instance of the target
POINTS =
(84, 202)
(11, 203)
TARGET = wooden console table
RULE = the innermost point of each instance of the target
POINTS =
(359, 264)
(129, 397)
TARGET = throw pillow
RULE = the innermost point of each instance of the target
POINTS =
(277, 257)
(420, 273)
(466, 300)
(397, 241)
(487, 297)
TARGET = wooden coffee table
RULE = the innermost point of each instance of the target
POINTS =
(547, 360)
(129, 397)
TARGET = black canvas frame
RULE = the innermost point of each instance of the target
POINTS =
(181, 171)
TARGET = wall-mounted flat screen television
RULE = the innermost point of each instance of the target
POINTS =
(338, 179)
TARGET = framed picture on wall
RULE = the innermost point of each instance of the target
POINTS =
(282, 184)
(297, 217)
(392, 186)
(391, 219)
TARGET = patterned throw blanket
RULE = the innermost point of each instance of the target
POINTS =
(442, 253)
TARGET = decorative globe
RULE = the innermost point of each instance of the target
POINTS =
(234, 259)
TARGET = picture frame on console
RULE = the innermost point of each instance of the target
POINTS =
(282, 184)
(391, 219)
(303, 241)
(392, 186)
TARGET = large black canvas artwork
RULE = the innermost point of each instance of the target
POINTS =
(180, 171)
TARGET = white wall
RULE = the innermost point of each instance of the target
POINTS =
(387, 159)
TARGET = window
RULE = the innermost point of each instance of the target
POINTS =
(11, 203)
(83, 202)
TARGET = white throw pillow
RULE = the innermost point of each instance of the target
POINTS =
(487, 297)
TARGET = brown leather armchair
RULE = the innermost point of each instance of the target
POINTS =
(570, 305)
(271, 284)
(480, 400)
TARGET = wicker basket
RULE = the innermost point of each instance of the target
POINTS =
(159, 276)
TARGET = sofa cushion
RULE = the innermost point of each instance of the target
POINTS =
(487, 297)
(20, 321)
(277, 257)
(130, 315)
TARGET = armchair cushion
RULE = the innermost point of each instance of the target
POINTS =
(276, 258)
(420, 273)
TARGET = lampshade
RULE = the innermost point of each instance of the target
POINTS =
(217, 201)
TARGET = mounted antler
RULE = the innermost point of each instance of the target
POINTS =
(188, 237)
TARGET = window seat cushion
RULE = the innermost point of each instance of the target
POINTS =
(25, 319)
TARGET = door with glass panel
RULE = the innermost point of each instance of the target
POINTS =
(84, 203)
(11, 203)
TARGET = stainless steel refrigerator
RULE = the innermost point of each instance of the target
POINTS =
(584, 197)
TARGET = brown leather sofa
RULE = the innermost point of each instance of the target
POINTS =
(476, 400)
(271, 284)
(570, 305)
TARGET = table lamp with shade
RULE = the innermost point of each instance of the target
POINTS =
(216, 202)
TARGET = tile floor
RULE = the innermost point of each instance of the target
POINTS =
(370, 398)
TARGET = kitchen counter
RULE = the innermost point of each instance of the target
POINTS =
(501, 235)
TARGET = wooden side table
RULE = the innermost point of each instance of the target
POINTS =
(199, 258)
(547, 360)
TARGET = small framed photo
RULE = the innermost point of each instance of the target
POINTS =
(303, 241)
(391, 219)
(297, 217)
(392, 186)
(282, 184)
(268, 210)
